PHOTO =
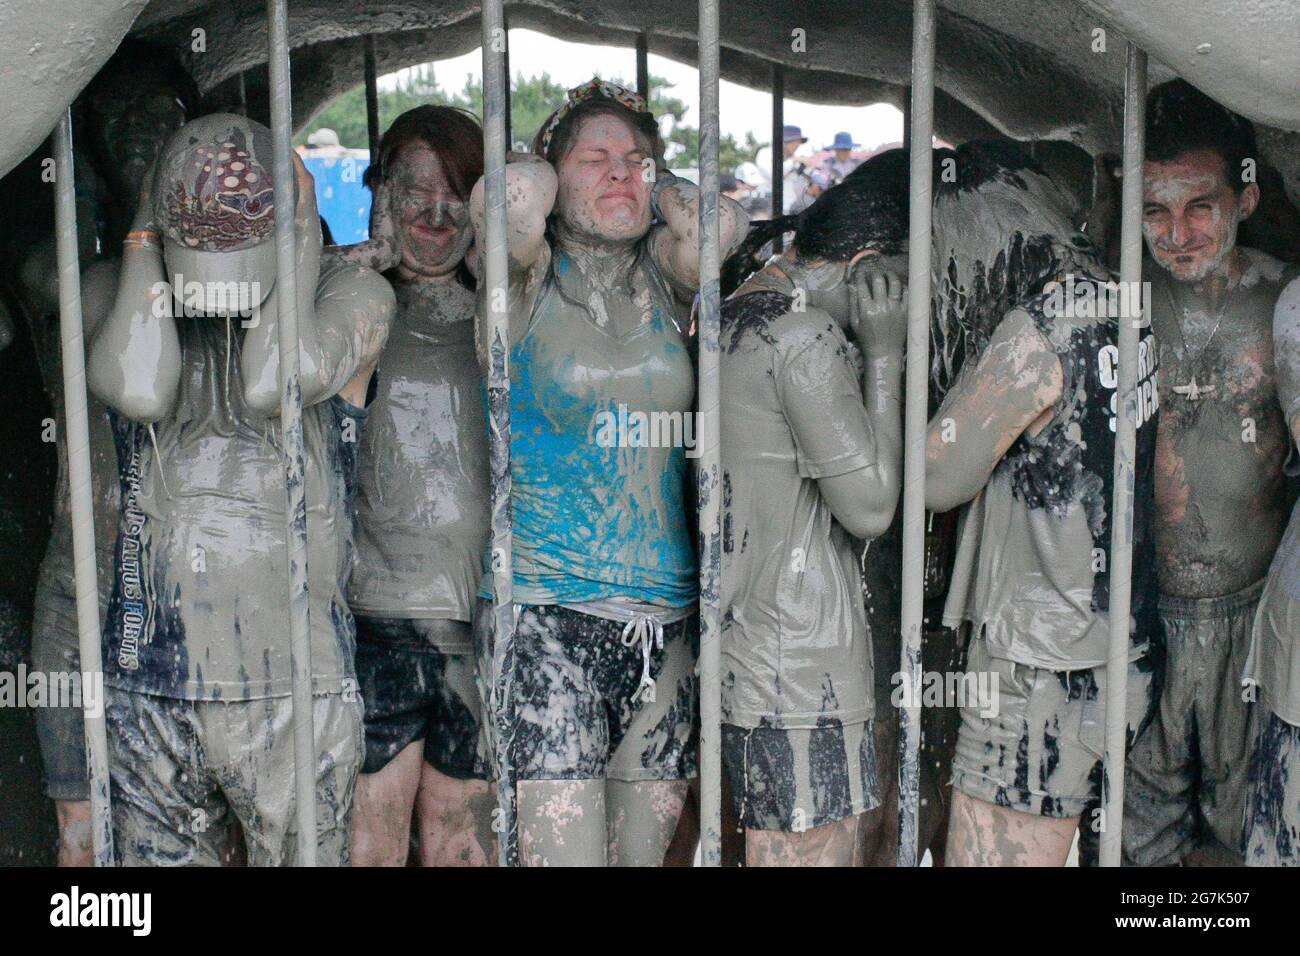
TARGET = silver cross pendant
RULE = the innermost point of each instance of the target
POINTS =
(1193, 392)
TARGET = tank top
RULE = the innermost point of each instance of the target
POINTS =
(598, 471)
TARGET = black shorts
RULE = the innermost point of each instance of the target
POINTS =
(413, 691)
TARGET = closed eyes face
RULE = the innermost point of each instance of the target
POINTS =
(1190, 213)
(432, 221)
(604, 192)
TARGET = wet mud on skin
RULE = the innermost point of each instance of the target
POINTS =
(1221, 496)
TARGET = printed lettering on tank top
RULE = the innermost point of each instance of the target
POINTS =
(1071, 461)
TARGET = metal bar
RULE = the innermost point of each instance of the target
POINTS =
(286, 281)
(372, 96)
(495, 264)
(710, 467)
(914, 421)
(778, 147)
(642, 66)
(77, 437)
(505, 72)
(1121, 537)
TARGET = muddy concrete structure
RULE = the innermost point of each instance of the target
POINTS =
(1032, 70)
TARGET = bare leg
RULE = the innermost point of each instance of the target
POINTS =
(74, 832)
(455, 820)
(835, 844)
(562, 822)
(381, 816)
(681, 852)
(642, 818)
(983, 834)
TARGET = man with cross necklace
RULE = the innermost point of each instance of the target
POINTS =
(1220, 496)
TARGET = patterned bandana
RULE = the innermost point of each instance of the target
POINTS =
(214, 192)
(580, 94)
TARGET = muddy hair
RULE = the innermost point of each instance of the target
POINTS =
(1180, 118)
(1003, 229)
(566, 131)
(869, 208)
(454, 134)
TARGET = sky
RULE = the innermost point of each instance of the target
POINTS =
(741, 109)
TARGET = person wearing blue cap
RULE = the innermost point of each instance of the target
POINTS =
(802, 183)
(841, 162)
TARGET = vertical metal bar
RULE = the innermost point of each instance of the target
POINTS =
(77, 438)
(243, 93)
(778, 147)
(372, 96)
(710, 466)
(918, 360)
(1121, 538)
(642, 66)
(286, 280)
(907, 119)
(505, 73)
(495, 264)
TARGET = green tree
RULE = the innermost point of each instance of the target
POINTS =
(532, 99)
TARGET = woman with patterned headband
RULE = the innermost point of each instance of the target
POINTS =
(604, 264)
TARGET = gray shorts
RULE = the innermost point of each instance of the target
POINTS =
(1186, 779)
(577, 711)
(1272, 822)
(60, 730)
(183, 771)
(1041, 752)
(800, 778)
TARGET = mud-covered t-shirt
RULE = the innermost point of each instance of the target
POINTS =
(795, 648)
(1274, 663)
(422, 511)
(200, 605)
(1033, 562)
(600, 423)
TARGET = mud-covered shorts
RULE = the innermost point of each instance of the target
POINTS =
(418, 683)
(1040, 750)
(578, 713)
(794, 779)
(1272, 824)
(182, 772)
(60, 730)
(1186, 778)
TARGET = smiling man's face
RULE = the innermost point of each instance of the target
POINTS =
(1190, 213)
(603, 192)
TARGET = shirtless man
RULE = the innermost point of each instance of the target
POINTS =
(197, 661)
(1220, 493)
(1025, 349)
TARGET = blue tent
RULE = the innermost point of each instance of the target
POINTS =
(340, 196)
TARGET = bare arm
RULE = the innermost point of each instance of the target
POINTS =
(382, 250)
(1013, 387)
(135, 354)
(343, 322)
(863, 501)
(530, 195)
(1286, 355)
(675, 243)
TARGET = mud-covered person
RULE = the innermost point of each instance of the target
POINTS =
(422, 508)
(140, 97)
(604, 263)
(1220, 493)
(1272, 814)
(197, 649)
(1025, 347)
(812, 349)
